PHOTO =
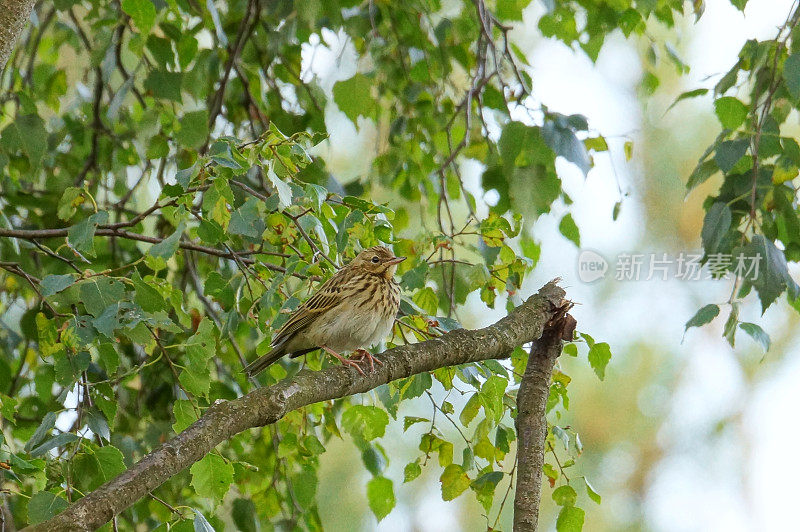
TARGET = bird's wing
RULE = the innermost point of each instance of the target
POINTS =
(326, 298)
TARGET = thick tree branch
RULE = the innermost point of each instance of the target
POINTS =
(13, 17)
(531, 422)
(265, 406)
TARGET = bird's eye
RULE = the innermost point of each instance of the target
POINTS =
(375, 260)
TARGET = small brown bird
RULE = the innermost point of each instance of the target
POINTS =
(353, 309)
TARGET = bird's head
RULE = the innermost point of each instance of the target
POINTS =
(377, 260)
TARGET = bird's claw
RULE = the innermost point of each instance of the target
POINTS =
(359, 355)
(354, 364)
(343, 360)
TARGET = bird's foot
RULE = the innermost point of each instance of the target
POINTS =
(360, 355)
(343, 360)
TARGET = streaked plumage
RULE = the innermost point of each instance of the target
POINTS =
(353, 309)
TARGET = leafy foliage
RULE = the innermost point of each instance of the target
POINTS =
(753, 217)
(169, 194)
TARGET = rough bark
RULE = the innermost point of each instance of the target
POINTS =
(531, 422)
(13, 17)
(267, 405)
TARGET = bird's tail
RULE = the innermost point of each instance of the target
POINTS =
(262, 362)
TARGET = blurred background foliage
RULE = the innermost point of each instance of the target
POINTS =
(177, 176)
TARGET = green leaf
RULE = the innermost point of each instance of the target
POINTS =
(98, 424)
(599, 355)
(283, 188)
(565, 495)
(221, 289)
(187, 50)
(53, 284)
(596, 143)
(701, 174)
(703, 316)
(201, 346)
(563, 142)
(366, 206)
(484, 487)
(244, 515)
(756, 333)
(416, 385)
(23, 466)
(454, 481)
(412, 420)
(511, 142)
(146, 296)
(312, 444)
(784, 170)
(197, 382)
(729, 152)
(109, 358)
(686, 95)
(167, 247)
(470, 410)
(791, 74)
(44, 505)
(185, 175)
(343, 231)
(194, 129)
(380, 495)
(109, 320)
(773, 275)
(212, 476)
(354, 97)
(157, 147)
(511, 9)
(628, 148)
(445, 451)
(8, 406)
(59, 440)
(716, 224)
(163, 84)
(492, 478)
(491, 396)
(48, 422)
(365, 422)
(184, 414)
(98, 293)
(305, 487)
(81, 235)
(569, 229)
(411, 471)
(570, 519)
(730, 112)
(27, 134)
(71, 199)
(427, 300)
(110, 461)
(247, 220)
(142, 12)
(590, 491)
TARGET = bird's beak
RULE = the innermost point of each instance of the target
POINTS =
(396, 260)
